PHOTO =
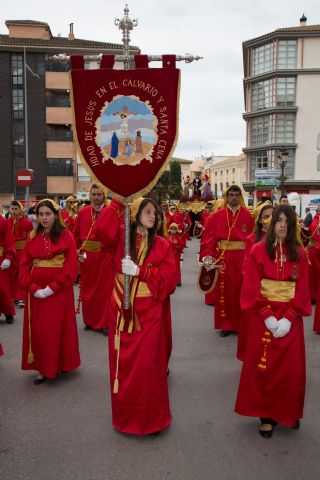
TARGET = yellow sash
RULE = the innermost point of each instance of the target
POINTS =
(278, 290)
(142, 289)
(91, 246)
(20, 244)
(55, 262)
(1, 251)
(231, 245)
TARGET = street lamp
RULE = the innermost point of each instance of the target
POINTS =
(26, 132)
(283, 158)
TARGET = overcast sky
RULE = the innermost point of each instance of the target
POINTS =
(211, 102)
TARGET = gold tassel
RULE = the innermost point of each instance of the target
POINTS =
(117, 341)
(30, 358)
(116, 386)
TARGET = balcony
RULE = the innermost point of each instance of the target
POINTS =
(57, 81)
(59, 115)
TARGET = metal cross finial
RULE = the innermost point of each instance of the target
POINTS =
(126, 25)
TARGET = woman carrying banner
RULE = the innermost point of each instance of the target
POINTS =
(275, 291)
(137, 344)
(48, 270)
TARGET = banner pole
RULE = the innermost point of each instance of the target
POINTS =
(126, 294)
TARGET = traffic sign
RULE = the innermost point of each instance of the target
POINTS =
(267, 173)
(24, 177)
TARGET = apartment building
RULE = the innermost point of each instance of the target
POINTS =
(35, 112)
(282, 109)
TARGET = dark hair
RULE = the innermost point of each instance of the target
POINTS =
(234, 188)
(133, 230)
(259, 224)
(307, 209)
(57, 228)
(160, 216)
(31, 210)
(283, 196)
(15, 203)
(290, 240)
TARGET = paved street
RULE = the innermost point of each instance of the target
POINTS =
(62, 429)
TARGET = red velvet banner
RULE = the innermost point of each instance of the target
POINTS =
(126, 124)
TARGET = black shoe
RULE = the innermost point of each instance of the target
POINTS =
(297, 425)
(179, 284)
(154, 434)
(266, 433)
(168, 372)
(87, 327)
(39, 379)
(9, 319)
(104, 331)
(225, 333)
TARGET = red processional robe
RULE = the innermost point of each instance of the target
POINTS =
(7, 251)
(225, 236)
(20, 229)
(187, 225)
(141, 405)
(177, 243)
(96, 271)
(316, 322)
(272, 383)
(242, 334)
(51, 321)
(68, 219)
(314, 264)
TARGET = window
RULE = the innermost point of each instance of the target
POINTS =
(269, 160)
(58, 100)
(233, 170)
(261, 95)
(17, 104)
(221, 173)
(286, 91)
(262, 59)
(53, 66)
(227, 171)
(83, 174)
(60, 167)
(221, 187)
(287, 54)
(285, 128)
(57, 133)
(261, 130)
(215, 173)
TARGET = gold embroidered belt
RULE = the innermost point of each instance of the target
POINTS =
(278, 290)
(91, 246)
(230, 245)
(142, 289)
(55, 262)
(20, 244)
(1, 251)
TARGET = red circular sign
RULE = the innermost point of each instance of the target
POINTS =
(24, 177)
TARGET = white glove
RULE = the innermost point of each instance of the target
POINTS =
(283, 329)
(39, 293)
(47, 292)
(129, 267)
(272, 324)
(5, 264)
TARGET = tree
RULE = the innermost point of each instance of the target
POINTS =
(175, 180)
(160, 191)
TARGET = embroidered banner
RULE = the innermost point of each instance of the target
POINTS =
(126, 122)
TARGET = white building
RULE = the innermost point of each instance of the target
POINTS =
(282, 106)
